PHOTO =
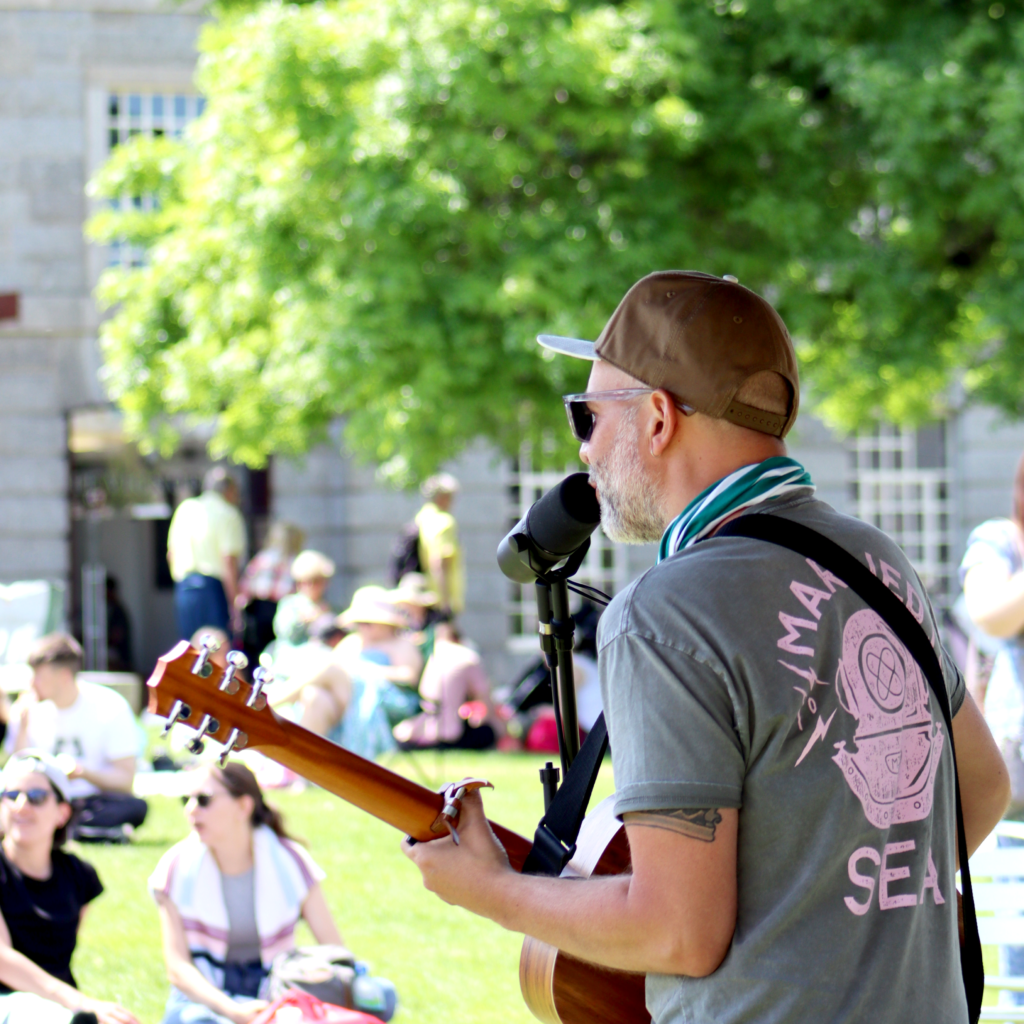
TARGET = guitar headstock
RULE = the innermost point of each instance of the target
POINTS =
(186, 686)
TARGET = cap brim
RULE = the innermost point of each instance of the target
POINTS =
(575, 347)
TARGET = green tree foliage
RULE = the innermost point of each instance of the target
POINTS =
(385, 202)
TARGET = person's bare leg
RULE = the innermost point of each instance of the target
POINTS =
(336, 681)
(325, 699)
(326, 676)
(319, 711)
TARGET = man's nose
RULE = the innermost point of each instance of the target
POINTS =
(584, 454)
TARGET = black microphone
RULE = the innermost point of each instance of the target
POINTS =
(557, 525)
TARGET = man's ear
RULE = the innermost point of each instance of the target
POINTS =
(664, 422)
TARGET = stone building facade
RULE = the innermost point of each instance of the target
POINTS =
(77, 76)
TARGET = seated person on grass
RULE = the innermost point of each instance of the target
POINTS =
(229, 897)
(91, 731)
(296, 613)
(418, 603)
(367, 684)
(456, 695)
(43, 897)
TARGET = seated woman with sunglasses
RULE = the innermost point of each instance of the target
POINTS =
(43, 897)
(229, 897)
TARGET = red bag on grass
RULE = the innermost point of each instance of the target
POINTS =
(297, 1007)
(542, 736)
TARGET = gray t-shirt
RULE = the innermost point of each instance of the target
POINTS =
(739, 674)
(240, 903)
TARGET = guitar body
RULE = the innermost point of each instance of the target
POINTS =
(558, 988)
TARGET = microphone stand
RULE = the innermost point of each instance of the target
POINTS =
(556, 627)
(556, 641)
(547, 547)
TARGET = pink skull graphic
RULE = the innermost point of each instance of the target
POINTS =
(892, 771)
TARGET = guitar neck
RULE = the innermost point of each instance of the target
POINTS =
(402, 803)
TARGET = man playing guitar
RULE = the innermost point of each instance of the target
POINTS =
(781, 766)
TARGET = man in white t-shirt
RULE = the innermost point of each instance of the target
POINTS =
(90, 729)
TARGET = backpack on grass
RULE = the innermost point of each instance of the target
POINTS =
(332, 974)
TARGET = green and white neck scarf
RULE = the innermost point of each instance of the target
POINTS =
(777, 477)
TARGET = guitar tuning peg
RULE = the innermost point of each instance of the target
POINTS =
(260, 678)
(236, 741)
(208, 725)
(179, 712)
(237, 662)
(208, 645)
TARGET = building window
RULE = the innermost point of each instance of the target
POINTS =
(131, 114)
(901, 484)
(604, 567)
(150, 114)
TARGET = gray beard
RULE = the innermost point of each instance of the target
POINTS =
(629, 502)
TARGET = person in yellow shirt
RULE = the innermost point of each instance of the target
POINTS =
(205, 543)
(440, 553)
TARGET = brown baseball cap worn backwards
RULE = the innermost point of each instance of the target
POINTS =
(700, 338)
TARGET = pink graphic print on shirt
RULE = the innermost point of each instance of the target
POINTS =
(892, 770)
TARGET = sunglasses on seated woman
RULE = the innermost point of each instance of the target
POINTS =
(202, 799)
(582, 419)
(36, 796)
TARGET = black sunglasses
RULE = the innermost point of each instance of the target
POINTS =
(36, 796)
(582, 419)
(202, 799)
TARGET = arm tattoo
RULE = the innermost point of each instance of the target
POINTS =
(695, 822)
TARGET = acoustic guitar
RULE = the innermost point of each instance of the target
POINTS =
(558, 989)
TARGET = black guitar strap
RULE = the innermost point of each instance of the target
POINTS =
(554, 842)
(829, 555)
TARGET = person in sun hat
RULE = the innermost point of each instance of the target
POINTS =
(366, 684)
(312, 571)
(414, 597)
(782, 768)
(380, 653)
(293, 653)
(418, 603)
(44, 894)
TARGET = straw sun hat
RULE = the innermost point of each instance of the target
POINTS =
(413, 588)
(311, 565)
(372, 605)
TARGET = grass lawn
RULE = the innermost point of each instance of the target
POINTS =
(448, 966)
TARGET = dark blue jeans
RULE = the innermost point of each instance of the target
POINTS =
(200, 601)
(241, 981)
